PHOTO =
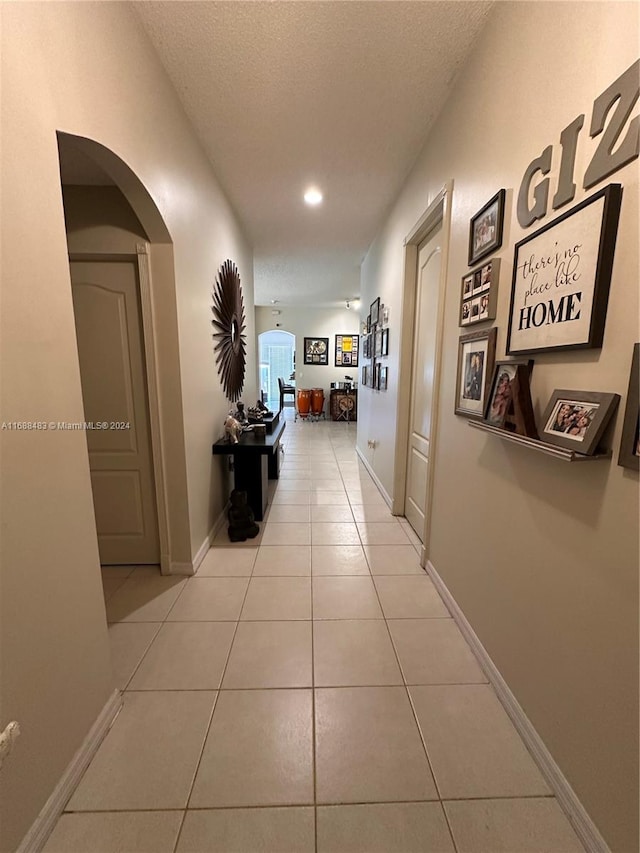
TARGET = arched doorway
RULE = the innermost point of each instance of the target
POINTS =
(277, 358)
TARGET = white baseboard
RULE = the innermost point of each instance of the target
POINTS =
(583, 826)
(191, 568)
(44, 824)
(375, 479)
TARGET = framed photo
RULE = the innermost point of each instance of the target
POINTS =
(316, 350)
(561, 278)
(476, 356)
(363, 377)
(485, 232)
(385, 342)
(479, 294)
(378, 343)
(500, 394)
(375, 312)
(376, 375)
(629, 456)
(383, 378)
(346, 354)
(576, 420)
(368, 323)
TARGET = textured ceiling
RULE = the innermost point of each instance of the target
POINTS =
(285, 94)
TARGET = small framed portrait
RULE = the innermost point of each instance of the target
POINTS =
(363, 376)
(375, 312)
(377, 367)
(629, 456)
(465, 313)
(483, 312)
(500, 395)
(385, 342)
(467, 285)
(316, 350)
(485, 277)
(378, 343)
(476, 355)
(485, 232)
(477, 282)
(368, 323)
(475, 310)
(383, 378)
(576, 420)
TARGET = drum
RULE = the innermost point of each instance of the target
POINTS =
(304, 402)
(317, 401)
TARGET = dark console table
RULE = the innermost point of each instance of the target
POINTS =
(255, 461)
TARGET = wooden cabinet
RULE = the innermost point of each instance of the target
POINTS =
(343, 405)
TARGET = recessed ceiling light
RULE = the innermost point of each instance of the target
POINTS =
(313, 196)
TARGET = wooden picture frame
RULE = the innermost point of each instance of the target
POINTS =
(316, 351)
(476, 358)
(576, 420)
(375, 312)
(508, 404)
(479, 294)
(485, 228)
(346, 350)
(561, 278)
(629, 454)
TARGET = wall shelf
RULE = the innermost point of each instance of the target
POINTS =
(540, 446)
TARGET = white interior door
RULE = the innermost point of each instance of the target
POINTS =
(110, 347)
(422, 381)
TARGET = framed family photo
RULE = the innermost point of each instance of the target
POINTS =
(476, 355)
(316, 350)
(561, 278)
(479, 294)
(508, 404)
(485, 232)
(576, 420)
(629, 456)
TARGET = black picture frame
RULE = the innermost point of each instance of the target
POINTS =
(378, 343)
(486, 227)
(385, 342)
(629, 454)
(576, 420)
(476, 359)
(316, 351)
(569, 263)
(363, 376)
(347, 350)
(384, 378)
(375, 312)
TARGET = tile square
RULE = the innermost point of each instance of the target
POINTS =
(227, 562)
(501, 826)
(293, 484)
(352, 653)
(330, 499)
(144, 599)
(331, 513)
(128, 642)
(277, 599)
(384, 828)
(338, 560)
(141, 763)
(367, 496)
(405, 597)
(473, 747)
(393, 560)
(433, 651)
(345, 598)
(334, 533)
(270, 654)
(144, 832)
(185, 656)
(373, 513)
(368, 748)
(283, 513)
(258, 751)
(291, 497)
(210, 600)
(382, 533)
(266, 830)
(293, 533)
(283, 560)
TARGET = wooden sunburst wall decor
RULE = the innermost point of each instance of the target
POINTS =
(229, 325)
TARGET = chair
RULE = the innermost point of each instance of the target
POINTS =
(285, 390)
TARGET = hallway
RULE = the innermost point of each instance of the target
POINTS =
(305, 691)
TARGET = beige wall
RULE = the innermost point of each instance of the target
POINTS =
(87, 70)
(541, 556)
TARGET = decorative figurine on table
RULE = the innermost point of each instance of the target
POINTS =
(260, 406)
(242, 525)
(232, 429)
(255, 414)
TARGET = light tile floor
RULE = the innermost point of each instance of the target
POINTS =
(305, 691)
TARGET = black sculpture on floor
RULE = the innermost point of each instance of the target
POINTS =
(242, 524)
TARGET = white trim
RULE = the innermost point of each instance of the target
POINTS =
(568, 801)
(153, 396)
(204, 548)
(374, 477)
(44, 824)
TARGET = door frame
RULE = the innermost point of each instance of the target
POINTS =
(150, 361)
(437, 213)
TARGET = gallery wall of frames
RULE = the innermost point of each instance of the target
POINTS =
(558, 302)
(375, 347)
